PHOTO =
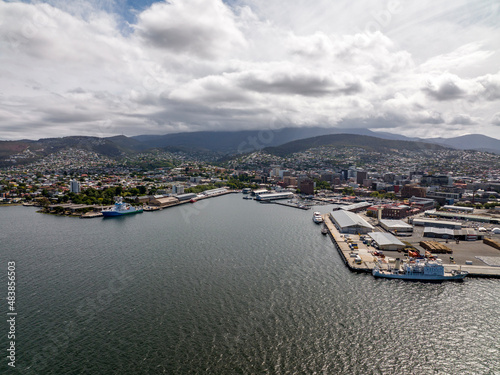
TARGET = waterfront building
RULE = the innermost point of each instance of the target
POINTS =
(274, 196)
(162, 201)
(349, 222)
(186, 197)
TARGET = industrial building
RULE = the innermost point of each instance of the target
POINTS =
(396, 226)
(427, 222)
(465, 234)
(463, 216)
(214, 192)
(163, 201)
(435, 232)
(386, 241)
(423, 203)
(260, 191)
(348, 222)
(186, 197)
(469, 210)
(355, 207)
(274, 196)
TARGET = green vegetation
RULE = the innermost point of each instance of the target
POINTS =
(93, 196)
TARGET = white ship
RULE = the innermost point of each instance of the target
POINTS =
(317, 218)
(420, 270)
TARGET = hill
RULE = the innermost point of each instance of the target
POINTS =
(350, 140)
(469, 142)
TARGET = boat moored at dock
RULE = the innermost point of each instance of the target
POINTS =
(420, 270)
(317, 218)
(120, 208)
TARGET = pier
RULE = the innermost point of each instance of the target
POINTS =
(368, 260)
(293, 205)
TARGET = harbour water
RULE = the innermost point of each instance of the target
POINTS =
(227, 286)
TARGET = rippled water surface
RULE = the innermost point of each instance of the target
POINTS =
(228, 286)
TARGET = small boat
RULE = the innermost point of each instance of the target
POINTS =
(120, 208)
(427, 270)
(317, 218)
(151, 208)
(324, 230)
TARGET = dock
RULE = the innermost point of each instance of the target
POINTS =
(340, 242)
(294, 205)
(368, 260)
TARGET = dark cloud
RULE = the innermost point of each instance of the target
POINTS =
(491, 87)
(447, 90)
(462, 120)
(434, 118)
(62, 116)
(495, 120)
(299, 84)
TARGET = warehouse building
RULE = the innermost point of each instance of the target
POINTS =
(186, 197)
(386, 241)
(397, 226)
(348, 222)
(163, 201)
(436, 223)
(274, 196)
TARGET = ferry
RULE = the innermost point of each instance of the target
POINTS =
(120, 208)
(317, 218)
(420, 270)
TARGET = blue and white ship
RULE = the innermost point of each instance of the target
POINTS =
(420, 271)
(120, 208)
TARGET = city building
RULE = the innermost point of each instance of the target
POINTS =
(177, 189)
(74, 187)
(361, 176)
(408, 191)
(306, 186)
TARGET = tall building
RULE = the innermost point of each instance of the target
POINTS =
(413, 191)
(178, 189)
(306, 186)
(360, 176)
(74, 186)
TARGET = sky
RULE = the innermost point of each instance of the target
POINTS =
(109, 67)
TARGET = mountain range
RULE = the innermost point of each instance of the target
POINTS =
(226, 143)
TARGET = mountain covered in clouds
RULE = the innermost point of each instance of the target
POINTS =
(102, 68)
(217, 144)
(350, 140)
(477, 142)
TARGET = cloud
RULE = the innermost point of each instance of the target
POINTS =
(491, 86)
(495, 120)
(445, 88)
(185, 65)
(462, 119)
(203, 28)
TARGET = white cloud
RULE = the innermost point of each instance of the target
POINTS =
(70, 68)
(202, 28)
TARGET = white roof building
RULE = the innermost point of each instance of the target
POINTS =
(396, 225)
(386, 241)
(348, 222)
